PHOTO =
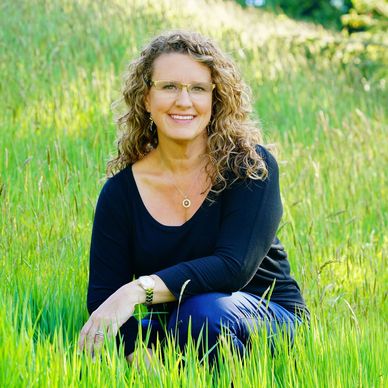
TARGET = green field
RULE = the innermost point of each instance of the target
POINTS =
(321, 97)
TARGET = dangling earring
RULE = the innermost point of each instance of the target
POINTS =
(152, 129)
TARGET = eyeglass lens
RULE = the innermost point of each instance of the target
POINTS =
(173, 87)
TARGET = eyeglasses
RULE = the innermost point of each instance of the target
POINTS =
(173, 88)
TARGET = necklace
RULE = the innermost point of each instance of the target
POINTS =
(186, 202)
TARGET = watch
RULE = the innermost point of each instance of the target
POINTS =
(148, 284)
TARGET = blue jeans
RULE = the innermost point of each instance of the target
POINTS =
(238, 313)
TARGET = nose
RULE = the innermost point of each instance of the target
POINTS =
(183, 98)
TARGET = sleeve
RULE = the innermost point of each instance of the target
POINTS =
(110, 254)
(251, 212)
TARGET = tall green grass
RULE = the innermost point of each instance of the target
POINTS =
(61, 63)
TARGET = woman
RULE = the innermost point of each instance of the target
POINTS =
(192, 212)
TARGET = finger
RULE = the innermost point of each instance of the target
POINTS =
(99, 339)
(83, 334)
(98, 343)
(113, 330)
(89, 345)
(95, 335)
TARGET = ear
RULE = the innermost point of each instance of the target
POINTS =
(147, 102)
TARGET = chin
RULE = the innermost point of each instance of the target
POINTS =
(185, 135)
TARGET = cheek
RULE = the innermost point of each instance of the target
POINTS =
(209, 110)
(158, 105)
(206, 107)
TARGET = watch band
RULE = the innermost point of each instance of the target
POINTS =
(148, 284)
(149, 296)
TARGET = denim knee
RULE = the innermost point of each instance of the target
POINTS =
(198, 310)
(202, 317)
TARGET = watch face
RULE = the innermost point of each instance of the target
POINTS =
(147, 281)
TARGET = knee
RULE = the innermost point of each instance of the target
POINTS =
(205, 312)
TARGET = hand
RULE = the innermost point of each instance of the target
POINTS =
(106, 320)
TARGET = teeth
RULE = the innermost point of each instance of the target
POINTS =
(179, 117)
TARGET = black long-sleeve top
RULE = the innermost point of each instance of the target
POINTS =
(229, 244)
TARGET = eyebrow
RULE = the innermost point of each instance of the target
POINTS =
(181, 82)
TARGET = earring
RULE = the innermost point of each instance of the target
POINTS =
(152, 129)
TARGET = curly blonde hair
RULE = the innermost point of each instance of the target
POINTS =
(232, 136)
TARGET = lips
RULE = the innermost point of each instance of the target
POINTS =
(182, 117)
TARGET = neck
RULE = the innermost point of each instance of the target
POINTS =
(181, 158)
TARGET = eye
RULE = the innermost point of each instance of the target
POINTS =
(198, 88)
(169, 86)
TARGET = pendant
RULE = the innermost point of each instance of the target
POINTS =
(186, 203)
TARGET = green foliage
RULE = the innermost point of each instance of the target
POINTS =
(324, 12)
(320, 95)
(367, 15)
(318, 9)
(353, 15)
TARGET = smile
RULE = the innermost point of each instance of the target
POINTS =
(181, 117)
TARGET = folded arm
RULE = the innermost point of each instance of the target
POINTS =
(251, 212)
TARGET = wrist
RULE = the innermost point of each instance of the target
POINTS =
(147, 283)
(135, 293)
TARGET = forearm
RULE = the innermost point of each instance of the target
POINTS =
(115, 311)
(161, 293)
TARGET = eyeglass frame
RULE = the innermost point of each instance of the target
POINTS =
(182, 85)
